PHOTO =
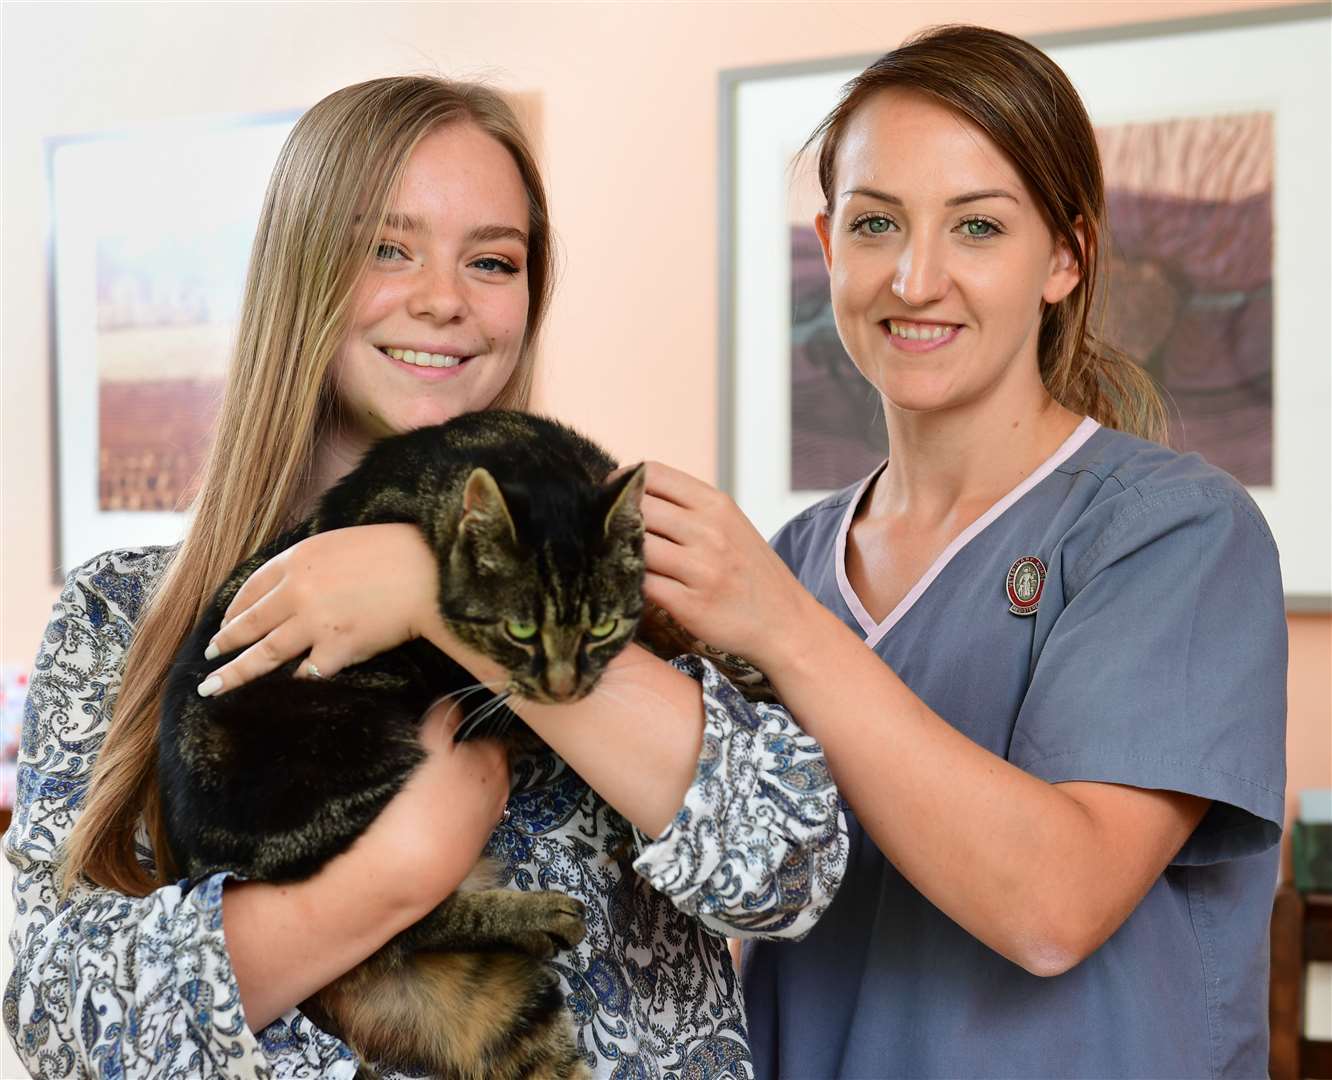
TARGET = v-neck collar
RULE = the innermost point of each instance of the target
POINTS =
(873, 631)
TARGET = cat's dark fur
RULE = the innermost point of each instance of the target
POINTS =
(541, 566)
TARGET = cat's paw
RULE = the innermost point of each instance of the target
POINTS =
(556, 923)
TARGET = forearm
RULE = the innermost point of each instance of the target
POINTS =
(635, 739)
(286, 941)
(1014, 860)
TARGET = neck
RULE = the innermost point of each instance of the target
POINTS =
(337, 454)
(966, 457)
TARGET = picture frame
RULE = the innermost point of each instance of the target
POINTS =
(150, 235)
(1269, 61)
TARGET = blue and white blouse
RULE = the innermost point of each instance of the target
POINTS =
(115, 986)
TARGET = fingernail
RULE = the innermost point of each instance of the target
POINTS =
(212, 652)
(210, 686)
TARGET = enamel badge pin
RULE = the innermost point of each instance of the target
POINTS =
(1026, 582)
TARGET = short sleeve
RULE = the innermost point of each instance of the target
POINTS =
(1166, 667)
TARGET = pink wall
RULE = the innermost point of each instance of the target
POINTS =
(628, 97)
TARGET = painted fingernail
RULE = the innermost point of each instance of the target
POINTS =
(212, 652)
(210, 686)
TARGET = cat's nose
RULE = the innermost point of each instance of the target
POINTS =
(561, 680)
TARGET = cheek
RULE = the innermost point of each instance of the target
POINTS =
(375, 298)
(856, 281)
(506, 318)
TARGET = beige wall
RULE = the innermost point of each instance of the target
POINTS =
(628, 101)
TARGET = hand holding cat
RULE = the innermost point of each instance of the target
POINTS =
(342, 596)
(711, 569)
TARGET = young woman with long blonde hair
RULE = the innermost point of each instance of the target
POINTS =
(400, 275)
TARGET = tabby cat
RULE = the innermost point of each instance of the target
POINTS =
(540, 562)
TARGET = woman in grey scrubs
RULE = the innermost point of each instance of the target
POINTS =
(1045, 655)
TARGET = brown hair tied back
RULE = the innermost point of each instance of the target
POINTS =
(1025, 103)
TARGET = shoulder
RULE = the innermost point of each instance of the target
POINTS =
(814, 528)
(77, 667)
(1134, 492)
(121, 577)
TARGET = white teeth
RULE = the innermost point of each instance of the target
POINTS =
(918, 333)
(423, 359)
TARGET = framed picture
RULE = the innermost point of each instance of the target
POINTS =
(150, 238)
(1217, 173)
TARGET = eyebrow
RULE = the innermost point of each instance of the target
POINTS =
(481, 234)
(956, 200)
(484, 233)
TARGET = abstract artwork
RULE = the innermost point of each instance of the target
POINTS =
(1190, 274)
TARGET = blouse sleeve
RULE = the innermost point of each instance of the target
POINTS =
(760, 845)
(106, 984)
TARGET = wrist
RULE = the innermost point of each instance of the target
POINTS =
(794, 638)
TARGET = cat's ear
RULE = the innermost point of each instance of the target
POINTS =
(625, 496)
(484, 502)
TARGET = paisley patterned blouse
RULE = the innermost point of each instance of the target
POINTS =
(113, 986)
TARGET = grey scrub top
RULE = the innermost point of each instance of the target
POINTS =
(1155, 657)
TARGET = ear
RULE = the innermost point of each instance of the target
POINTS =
(823, 226)
(484, 502)
(625, 492)
(1064, 272)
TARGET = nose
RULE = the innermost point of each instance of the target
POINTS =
(922, 272)
(438, 294)
(561, 680)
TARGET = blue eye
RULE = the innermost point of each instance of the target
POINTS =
(389, 252)
(492, 264)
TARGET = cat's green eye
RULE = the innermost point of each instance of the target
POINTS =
(521, 631)
(602, 630)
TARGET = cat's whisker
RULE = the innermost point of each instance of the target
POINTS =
(483, 714)
(465, 692)
(461, 695)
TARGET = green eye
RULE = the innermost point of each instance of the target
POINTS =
(603, 630)
(521, 631)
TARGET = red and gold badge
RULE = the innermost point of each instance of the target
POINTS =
(1026, 582)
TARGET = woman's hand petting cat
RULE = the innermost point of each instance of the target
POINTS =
(342, 596)
(709, 567)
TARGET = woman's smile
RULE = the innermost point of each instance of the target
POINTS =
(427, 364)
(919, 337)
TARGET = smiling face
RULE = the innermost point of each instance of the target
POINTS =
(940, 259)
(440, 315)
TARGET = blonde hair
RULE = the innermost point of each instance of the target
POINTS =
(323, 211)
(1025, 103)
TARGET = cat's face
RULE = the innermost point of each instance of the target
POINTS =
(553, 611)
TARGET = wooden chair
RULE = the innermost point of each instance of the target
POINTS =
(1301, 932)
